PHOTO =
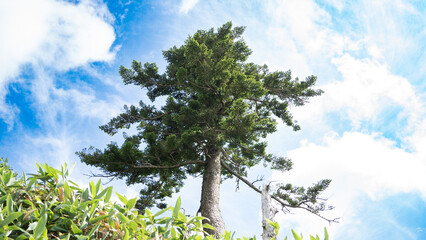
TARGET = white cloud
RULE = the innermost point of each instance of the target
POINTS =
(56, 106)
(8, 112)
(187, 5)
(310, 28)
(367, 87)
(77, 34)
(338, 4)
(51, 34)
(53, 149)
(49, 37)
(360, 165)
(418, 139)
(392, 25)
(88, 106)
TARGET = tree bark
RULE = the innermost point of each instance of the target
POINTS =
(210, 193)
(268, 212)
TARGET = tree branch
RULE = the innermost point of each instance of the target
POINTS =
(283, 204)
(151, 118)
(149, 165)
(236, 174)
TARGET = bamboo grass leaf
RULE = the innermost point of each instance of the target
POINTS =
(41, 226)
(176, 209)
(123, 199)
(10, 218)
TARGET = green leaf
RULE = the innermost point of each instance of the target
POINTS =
(131, 203)
(44, 234)
(75, 229)
(10, 218)
(122, 218)
(161, 212)
(174, 234)
(98, 186)
(296, 237)
(92, 189)
(11, 182)
(208, 226)
(67, 191)
(119, 208)
(84, 216)
(97, 219)
(91, 202)
(9, 204)
(126, 234)
(176, 209)
(94, 230)
(326, 233)
(123, 199)
(85, 195)
(22, 237)
(41, 226)
(108, 194)
(182, 217)
(30, 184)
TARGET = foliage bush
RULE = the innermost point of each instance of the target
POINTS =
(48, 205)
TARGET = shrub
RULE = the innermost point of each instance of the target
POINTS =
(48, 205)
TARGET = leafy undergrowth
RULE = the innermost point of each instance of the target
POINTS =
(48, 205)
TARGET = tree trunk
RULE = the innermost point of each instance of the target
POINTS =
(210, 193)
(268, 212)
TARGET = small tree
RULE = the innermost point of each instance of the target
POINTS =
(218, 110)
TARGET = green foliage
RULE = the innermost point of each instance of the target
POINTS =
(276, 227)
(48, 205)
(300, 237)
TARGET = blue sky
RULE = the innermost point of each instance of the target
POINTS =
(59, 81)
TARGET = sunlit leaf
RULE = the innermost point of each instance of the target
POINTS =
(10, 218)
(41, 225)
(176, 208)
(123, 199)
(296, 237)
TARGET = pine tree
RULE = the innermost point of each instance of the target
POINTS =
(218, 111)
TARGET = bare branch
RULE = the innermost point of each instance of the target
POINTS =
(259, 179)
(335, 220)
(236, 174)
(110, 177)
(280, 201)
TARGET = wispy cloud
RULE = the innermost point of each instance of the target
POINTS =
(187, 5)
(49, 34)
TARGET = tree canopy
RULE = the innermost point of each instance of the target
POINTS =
(218, 107)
